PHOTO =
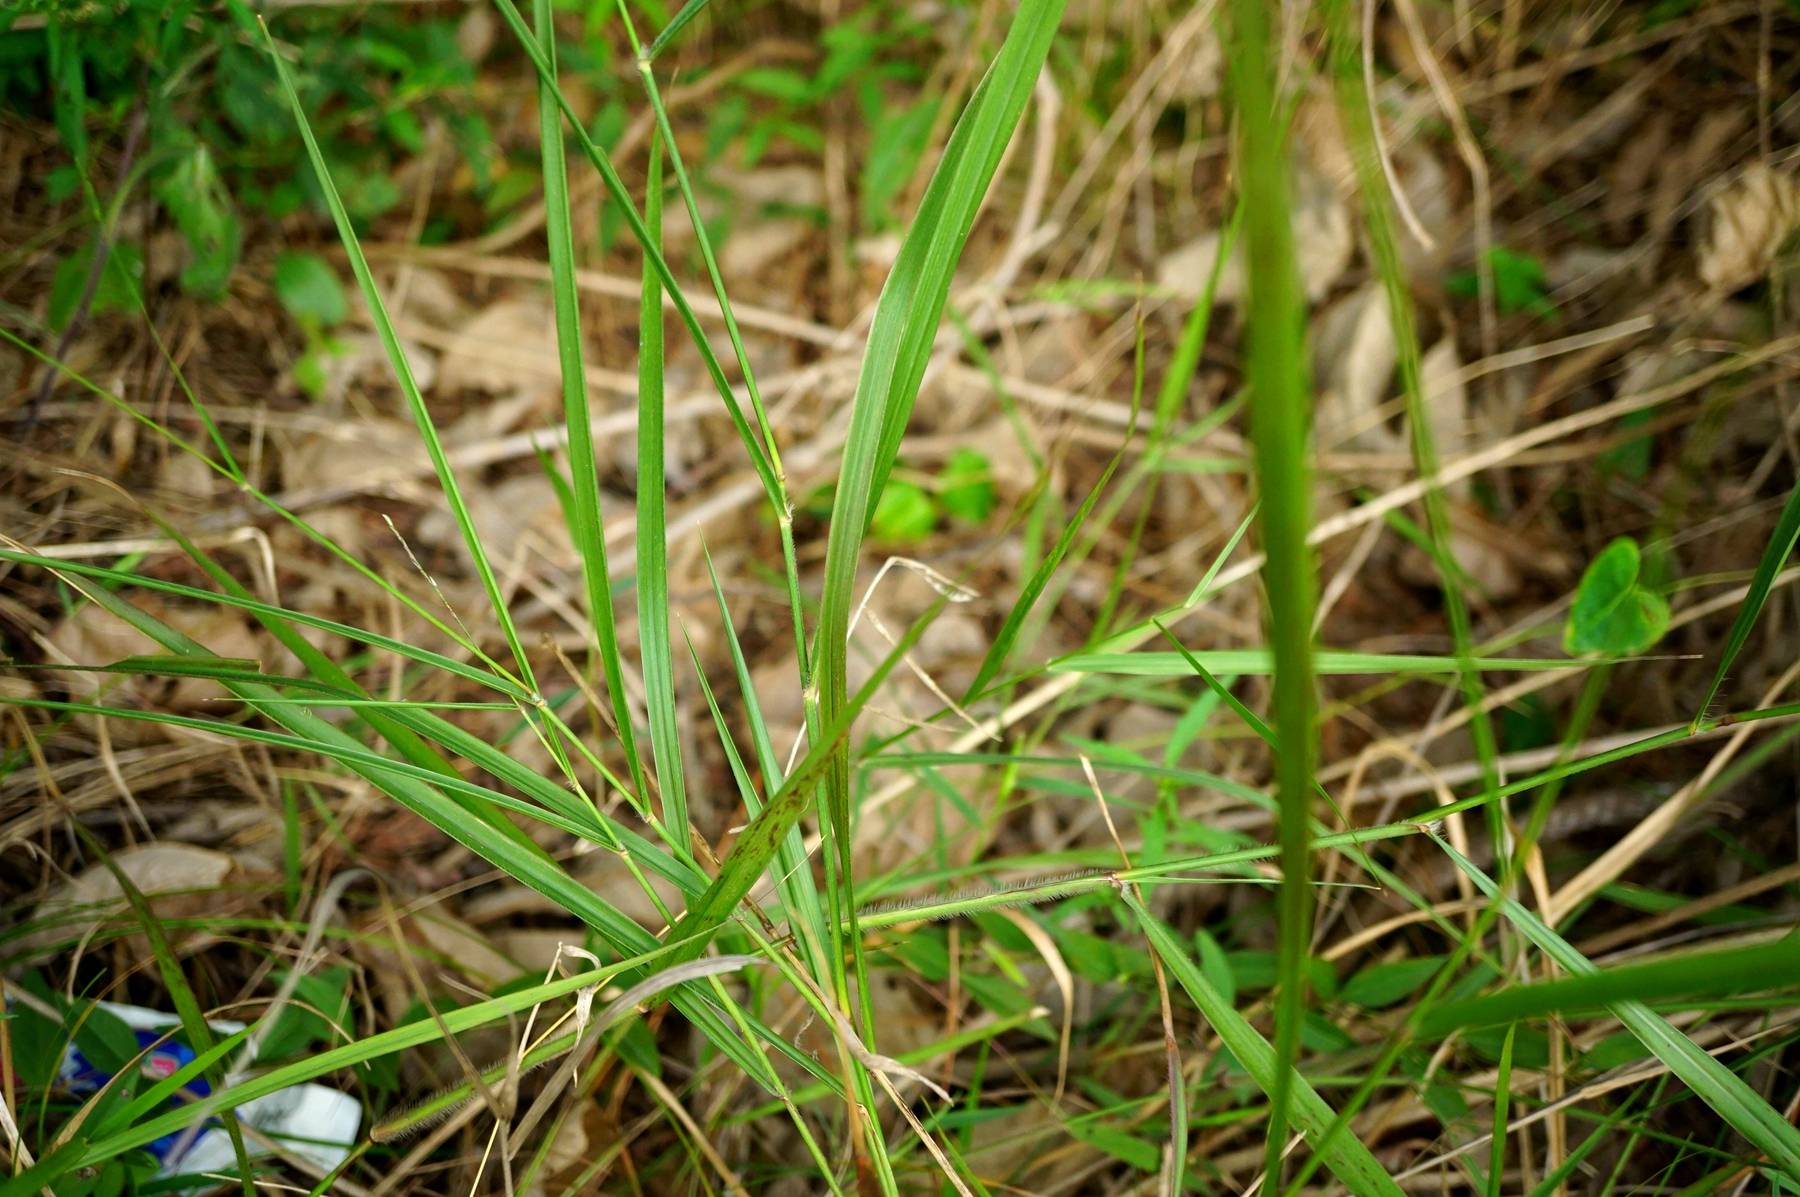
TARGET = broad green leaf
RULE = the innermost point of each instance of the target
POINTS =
(116, 290)
(309, 289)
(904, 515)
(1614, 613)
(1382, 985)
(968, 486)
(194, 195)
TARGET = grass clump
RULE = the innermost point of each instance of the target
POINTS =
(840, 752)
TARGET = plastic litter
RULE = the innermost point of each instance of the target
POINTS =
(314, 1122)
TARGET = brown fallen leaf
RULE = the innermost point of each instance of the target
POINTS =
(182, 878)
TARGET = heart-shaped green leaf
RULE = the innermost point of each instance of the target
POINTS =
(1614, 614)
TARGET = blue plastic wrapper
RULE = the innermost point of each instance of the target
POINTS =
(312, 1122)
(80, 1078)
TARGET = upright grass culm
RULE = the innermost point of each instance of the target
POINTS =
(900, 341)
(652, 528)
(584, 475)
(1279, 423)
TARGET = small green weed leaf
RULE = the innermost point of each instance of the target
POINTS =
(1630, 459)
(366, 191)
(1520, 283)
(1257, 970)
(61, 183)
(1382, 985)
(1526, 724)
(105, 1040)
(1530, 1045)
(1108, 1137)
(321, 1003)
(1215, 967)
(1664, 11)
(309, 373)
(897, 141)
(195, 198)
(116, 291)
(777, 83)
(1613, 1051)
(309, 289)
(37, 1043)
(968, 486)
(247, 98)
(1614, 614)
(905, 513)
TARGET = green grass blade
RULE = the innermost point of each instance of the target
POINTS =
(1279, 419)
(758, 842)
(623, 203)
(319, 1064)
(454, 634)
(652, 534)
(899, 346)
(332, 676)
(475, 799)
(793, 881)
(792, 872)
(1697, 975)
(585, 526)
(530, 868)
(1347, 1158)
(768, 446)
(1502, 1098)
(401, 368)
(676, 24)
(491, 681)
(1742, 1108)
(1252, 661)
(766, 756)
(187, 1007)
(1378, 217)
(702, 242)
(1001, 647)
(1775, 555)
